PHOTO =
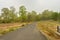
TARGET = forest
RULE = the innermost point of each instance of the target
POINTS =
(9, 15)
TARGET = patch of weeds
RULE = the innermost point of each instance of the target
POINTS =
(11, 29)
(3, 32)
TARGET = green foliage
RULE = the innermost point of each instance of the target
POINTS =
(38, 17)
(22, 12)
(11, 29)
(59, 17)
(46, 15)
(55, 16)
(10, 15)
(5, 15)
(13, 15)
(33, 14)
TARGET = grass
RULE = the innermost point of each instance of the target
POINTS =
(5, 28)
(48, 28)
(2, 32)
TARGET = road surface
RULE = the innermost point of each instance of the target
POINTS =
(28, 32)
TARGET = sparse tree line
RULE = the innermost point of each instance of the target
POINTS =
(10, 15)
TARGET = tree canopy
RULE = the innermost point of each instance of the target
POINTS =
(10, 15)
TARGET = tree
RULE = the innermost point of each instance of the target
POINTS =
(22, 12)
(38, 17)
(59, 17)
(33, 14)
(8, 15)
(55, 16)
(5, 15)
(46, 15)
(29, 16)
(13, 15)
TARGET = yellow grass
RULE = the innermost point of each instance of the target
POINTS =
(49, 28)
(5, 28)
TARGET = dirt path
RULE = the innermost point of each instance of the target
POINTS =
(28, 32)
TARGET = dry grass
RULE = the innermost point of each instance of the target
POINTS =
(8, 27)
(48, 28)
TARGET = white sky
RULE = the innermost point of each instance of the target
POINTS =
(37, 5)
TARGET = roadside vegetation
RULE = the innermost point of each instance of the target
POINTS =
(49, 29)
(6, 28)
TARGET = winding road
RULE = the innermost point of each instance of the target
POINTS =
(28, 32)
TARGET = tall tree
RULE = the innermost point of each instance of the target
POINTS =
(13, 15)
(5, 15)
(22, 12)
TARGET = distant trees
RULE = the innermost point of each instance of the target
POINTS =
(29, 17)
(33, 16)
(10, 15)
(38, 17)
(59, 17)
(55, 16)
(46, 15)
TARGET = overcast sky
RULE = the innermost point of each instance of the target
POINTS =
(37, 5)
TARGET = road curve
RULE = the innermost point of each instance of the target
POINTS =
(28, 32)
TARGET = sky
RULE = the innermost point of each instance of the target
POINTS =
(37, 5)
